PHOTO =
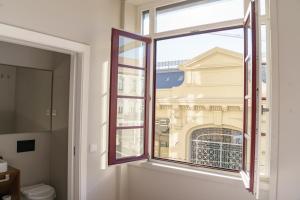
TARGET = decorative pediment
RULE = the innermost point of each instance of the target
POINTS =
(214, 58)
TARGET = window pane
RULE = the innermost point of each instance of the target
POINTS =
(145, 22)
(264, 119)
(131, 82)
(131, 52)
(130, 112)
(262, 7)
(184, 15)
(263, 31)
(249, 39)
(199, 99)
(130, 142)
(248, 155)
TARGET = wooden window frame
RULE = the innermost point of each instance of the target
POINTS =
(168, 35)
(113, 109)
(249, 179)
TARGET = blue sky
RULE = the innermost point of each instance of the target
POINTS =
(191, 46)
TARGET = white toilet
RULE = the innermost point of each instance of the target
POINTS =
(38, 192)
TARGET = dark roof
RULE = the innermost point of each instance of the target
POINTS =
(169, 79)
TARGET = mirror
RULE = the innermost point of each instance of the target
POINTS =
(25, 99)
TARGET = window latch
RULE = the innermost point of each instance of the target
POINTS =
(264, 110)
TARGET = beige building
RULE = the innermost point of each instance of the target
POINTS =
(201, 120)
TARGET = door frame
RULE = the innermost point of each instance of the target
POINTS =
(78, 101)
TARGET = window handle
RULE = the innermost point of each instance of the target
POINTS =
(264, 110)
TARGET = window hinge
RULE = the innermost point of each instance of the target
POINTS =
(74, 150)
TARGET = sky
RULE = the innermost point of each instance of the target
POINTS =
(191, 46)
(210, 11)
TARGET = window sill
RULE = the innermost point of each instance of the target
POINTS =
(201, 173)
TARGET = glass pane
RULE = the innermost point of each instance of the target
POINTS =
(130, 112)
(262, 7)
(130, 142)
(249, 117)
(263, 31)
(131, 82)
(249, 78)
(248, 39)
(249, 96)
(131, 52)
(248, 155)
(145, 22)
(184, 15)
(199, 105)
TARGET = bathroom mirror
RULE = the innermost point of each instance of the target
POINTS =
(25, 99)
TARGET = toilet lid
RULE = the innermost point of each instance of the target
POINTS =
(40, 191)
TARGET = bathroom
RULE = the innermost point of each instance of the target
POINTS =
(34, 118)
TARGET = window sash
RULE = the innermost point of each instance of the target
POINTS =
(113, 128)
(250, 137)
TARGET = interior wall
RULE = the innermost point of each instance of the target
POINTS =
(18, 55)
(130, 18)
(7, 96)
(287, 31)
(88, 22)
(157, 184)
(34, 165)
(32, 100)
(59, 135)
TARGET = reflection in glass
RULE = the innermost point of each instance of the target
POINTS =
(132, 52)
(130, 112)
(25, 99)
(129, 143)
(131, 82)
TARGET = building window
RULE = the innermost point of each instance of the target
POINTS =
(129, 107)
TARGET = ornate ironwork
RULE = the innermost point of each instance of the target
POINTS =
(217, 147)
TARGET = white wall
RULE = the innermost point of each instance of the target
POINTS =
(289, 97)
(88, 22)
(130, 21)
(148, 183)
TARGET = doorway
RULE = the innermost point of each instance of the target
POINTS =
(78, 92)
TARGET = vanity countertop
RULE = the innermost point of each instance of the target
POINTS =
(10, 183)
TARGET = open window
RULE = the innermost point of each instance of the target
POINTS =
(220, 144)
(129, 99)
(250, 133)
